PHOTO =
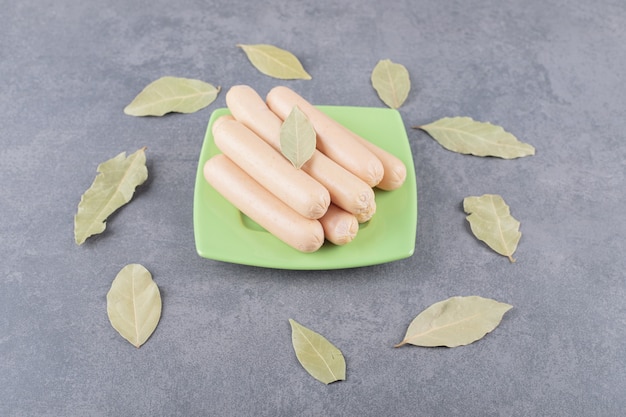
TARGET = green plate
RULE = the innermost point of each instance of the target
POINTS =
(223, 233)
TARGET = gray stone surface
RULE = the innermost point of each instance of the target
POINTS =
(549, 71)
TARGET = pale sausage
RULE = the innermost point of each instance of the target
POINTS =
(270, 169)
(305, 235)
(333, 139)
(346, 190)
(395, 170)
(340, 227)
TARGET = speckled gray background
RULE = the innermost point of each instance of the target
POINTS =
(549, 71)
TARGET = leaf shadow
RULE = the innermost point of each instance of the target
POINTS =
(466, 224)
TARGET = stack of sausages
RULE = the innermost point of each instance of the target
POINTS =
(326, 199)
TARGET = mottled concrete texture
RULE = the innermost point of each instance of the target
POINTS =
(549, 71)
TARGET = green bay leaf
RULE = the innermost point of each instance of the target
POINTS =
(297, 138)
(392, 83)
(275, 62)
(457, 321)
(134, 304)
(172, 94)
(467, 136)
(320, 358)
(491, 222)
(113, 187)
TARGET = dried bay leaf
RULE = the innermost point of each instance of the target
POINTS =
(113, 187)
(297, 138)
(275, 62)
(134, 304)
(320, 358)
(467, 136)
(392, 83)
(491, 222)
(457, 321)
(172, 94)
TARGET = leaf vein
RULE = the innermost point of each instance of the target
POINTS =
(317, 352)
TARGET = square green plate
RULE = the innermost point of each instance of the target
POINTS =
(223, 233)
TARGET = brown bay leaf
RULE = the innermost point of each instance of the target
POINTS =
(112, 188)
(454, 322)
(172, 94)
(492, 223)
(297, 138)
(275, 62)
(320, 358)
(392, 82)
(467, 136)
(134, 304)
